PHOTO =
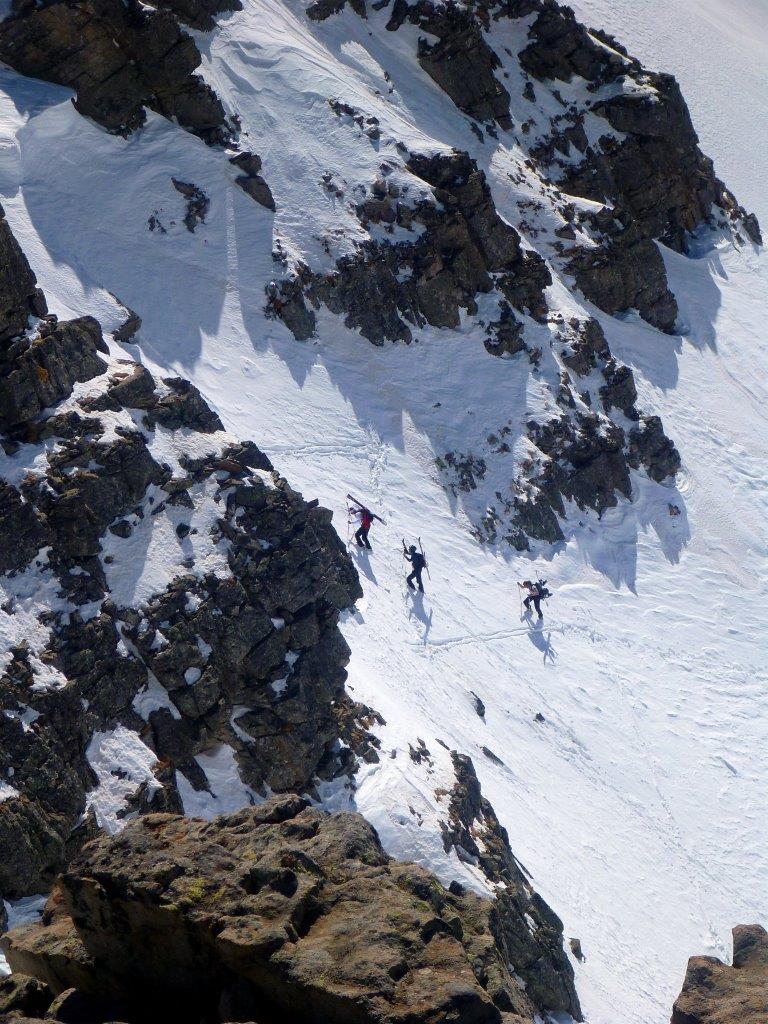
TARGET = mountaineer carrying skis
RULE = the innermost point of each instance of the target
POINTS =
(419, 563)
(366, 518)
(536, 591)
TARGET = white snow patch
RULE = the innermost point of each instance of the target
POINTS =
(7, 792)
(227, 792)
(153, 697)
(122, 763)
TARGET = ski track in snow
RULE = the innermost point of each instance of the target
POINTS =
(640, 804)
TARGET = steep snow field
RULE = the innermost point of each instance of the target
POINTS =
(640, 803)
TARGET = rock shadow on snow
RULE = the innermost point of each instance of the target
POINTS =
(102, 232)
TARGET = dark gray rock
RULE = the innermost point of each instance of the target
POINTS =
(183, 406)
(536, 951)
(129, 327)
(586, 461)
(588, 348)
(38, 372)
(22, 532)
(19, 294)
(460, 61)
(626, 272)
(386, 290)
(649, 447)
(198, 203)
(200, 14)
(118, 60)
(251, 180)
(619, 391)
(656, 172)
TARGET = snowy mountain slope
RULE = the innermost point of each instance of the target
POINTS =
(639, 803)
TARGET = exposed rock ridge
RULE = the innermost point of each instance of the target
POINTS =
(524, 926)
(640, 159)
(582, 455)
(276, 912)
(453, 246)
(655, 170)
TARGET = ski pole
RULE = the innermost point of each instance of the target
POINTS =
(421, 549)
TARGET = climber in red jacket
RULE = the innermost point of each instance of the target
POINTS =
(366, 519)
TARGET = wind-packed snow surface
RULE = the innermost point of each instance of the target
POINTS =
(640, 802)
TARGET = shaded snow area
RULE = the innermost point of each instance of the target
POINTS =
(624, 737)
(21, 911)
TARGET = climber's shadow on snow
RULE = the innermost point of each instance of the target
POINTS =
(362, 559)
(416, 610)
(540, 638)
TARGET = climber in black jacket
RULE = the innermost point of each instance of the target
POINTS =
(418, 561)
(535, 593)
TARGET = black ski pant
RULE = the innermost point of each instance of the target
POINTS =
(536, 603)
(361, 536)
(415, 575)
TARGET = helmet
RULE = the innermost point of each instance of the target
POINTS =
(412, 549)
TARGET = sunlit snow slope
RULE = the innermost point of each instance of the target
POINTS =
(640, 803)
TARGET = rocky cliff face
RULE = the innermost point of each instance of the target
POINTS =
(169, 605)
(278, 912)
(607, 164)
(716, 993)
(595, 126)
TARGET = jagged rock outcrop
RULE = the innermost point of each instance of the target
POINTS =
(463, 248)
(40, 370)
(183, 633)
(582, 455)
(650, 165)
(200, 14)
(280, 911)
(716, 993)
(460, 60)
(528, 931)
(251, 180)
(119, 59)
(647, 168)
